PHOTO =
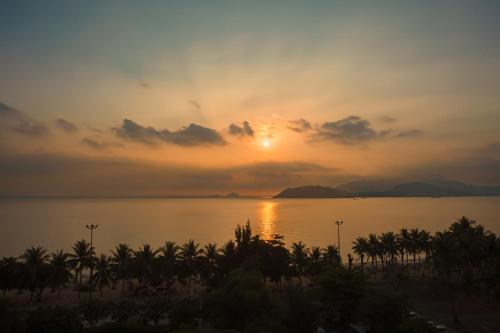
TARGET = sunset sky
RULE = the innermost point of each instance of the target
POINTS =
(126, 98)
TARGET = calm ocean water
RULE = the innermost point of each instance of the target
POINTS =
(56, 223)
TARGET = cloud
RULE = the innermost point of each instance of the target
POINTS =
(66, 126)
(99, 145)
(193, 135)
(15, 121)
(350, 130)
(244, 130)
(480, 165)
(409, 133)
(299, 125)
(64, 175)
(387, 119)
(194, 103)
(491, 150)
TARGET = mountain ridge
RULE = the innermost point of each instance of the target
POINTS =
(313, 191)
(439, 188)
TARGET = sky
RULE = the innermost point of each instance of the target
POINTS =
(128, 98)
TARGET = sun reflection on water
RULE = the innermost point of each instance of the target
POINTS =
(267, 219)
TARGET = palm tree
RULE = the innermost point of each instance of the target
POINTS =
(122, 256)
(424, 243)
(361, 248)
(103, 275)
(227, 260)
(80, 259)
(34, 259)
(414, 243)
(404, 242)
(10, 269)
(229, 249)
(299, 258)
(60, 272)
(190, 252)
(144, 258)
(462, 224)
(373, 249)
(169, 254)
(331, 255)
(314, 260)
(210, 253)
(243, 236)
(388, 245)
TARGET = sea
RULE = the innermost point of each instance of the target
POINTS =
(58, 223)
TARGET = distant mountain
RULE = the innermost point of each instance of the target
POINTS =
(232, 195)
(442, 188)
(369, 185)
(418, 189)
(313, 191)
(374, 188)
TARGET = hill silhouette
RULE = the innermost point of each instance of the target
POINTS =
(313, 191)
(437, 188)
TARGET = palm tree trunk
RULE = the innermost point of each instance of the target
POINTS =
(123, 287)
(80, 283)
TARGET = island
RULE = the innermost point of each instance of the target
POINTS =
(313, 191)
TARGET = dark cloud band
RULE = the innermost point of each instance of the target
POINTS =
(66, 126)
(193, 135)
(244, 130)
(15, 121)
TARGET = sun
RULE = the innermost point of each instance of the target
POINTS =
(266, 143)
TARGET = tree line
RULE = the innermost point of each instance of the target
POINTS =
(466, 247)
(248, 270)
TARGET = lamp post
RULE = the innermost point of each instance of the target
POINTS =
(91, 227)
(338, 223)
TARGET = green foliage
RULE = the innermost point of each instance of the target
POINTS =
(342, 290)
(121, 312)
(10, 321)
(92, 310)
(184, 313)
(301, 313)
(383, 312)
(53, 320)
(243, 298)
(155, 310)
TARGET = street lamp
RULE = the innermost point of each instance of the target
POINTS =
(338, 223)
(91, 227)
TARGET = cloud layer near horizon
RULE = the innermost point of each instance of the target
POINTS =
(61, 175)
(38, 174)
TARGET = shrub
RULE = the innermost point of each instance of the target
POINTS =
(53, 320)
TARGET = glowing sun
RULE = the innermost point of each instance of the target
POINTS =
(266, 143)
